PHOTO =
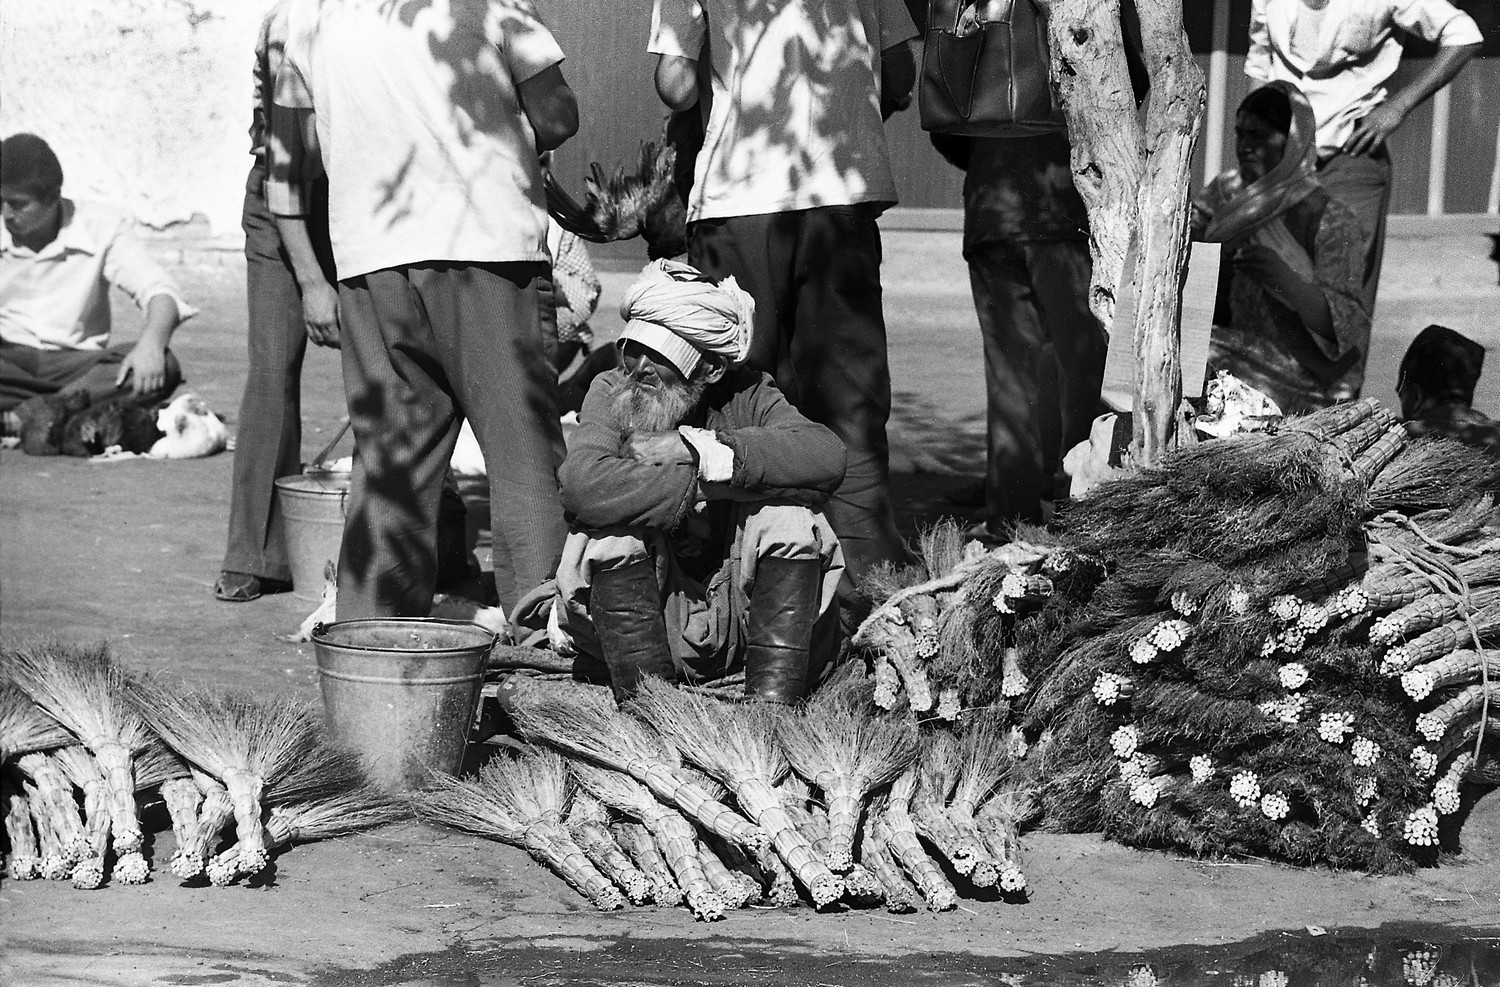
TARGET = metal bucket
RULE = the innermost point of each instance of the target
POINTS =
(402, 692)
(312, 507)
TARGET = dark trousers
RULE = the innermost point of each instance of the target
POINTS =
(423, 347)
(1043, 367)
(1363, 183)
(268, 439)
(27, 372)
(820, 332)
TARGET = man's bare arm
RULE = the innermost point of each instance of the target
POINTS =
(677, 81)
(550, 106)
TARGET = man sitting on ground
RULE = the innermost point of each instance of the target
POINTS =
(694, 491)
(58, 259)
(1436, 383)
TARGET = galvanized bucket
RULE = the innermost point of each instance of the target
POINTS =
(402, 692)
(312, 507)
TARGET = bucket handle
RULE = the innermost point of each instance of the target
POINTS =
(317, 461)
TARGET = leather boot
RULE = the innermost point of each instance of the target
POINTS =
(625, 606)
(779, 628)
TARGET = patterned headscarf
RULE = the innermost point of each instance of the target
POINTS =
(681, 313)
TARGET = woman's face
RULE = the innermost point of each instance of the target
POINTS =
(1258, 145)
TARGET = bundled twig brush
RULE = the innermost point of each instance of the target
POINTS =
(54, 865)
(303, 822)
(848, 753)
(25, 860)
(983, 762)
(84, 773)
(215, 812)
(513, 801)
(24, 727)
(937, 775)
(638, 842)
(56, 793)
(84, 690)
(245, 743)
(584, 722)
(875, 856)
(589, 823)
(737, 745)
(672, 834)
(894, 828)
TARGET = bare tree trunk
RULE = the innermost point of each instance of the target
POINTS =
(1134, 182)
(1108, 149)
(1173, 116)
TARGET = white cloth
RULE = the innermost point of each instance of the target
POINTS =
(794, 117)
(715, 459)
(57, 298)
(1357, 52)
(428, 154)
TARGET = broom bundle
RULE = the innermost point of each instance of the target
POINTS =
(638, 842)
(585, 723)
(520, 801)
(737, 745)
(54, 793)
(1433, 472)
(54, 863)
(672, 834)
(245, 743)
(24, 862)
(589, 824)
(321, 819)
(895, 829)
(84, 773)
(848, 753)
(24, 727)
(84, 690)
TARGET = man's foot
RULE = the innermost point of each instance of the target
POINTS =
(242, 587)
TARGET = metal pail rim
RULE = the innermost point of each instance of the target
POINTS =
(321, 631)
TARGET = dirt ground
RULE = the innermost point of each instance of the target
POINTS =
(128, 552)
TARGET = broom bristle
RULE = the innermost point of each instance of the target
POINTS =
(156, 763)
(228, 731)
(618, 791)
(323, 772)
(25, 727)
(723, 739)
(470, 804)
(983, 761)
(339, 815)
(534, 787)
(828, 736)
(586, 723)
(82, 688)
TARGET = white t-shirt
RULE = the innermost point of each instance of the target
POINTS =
(1342, 69)
(428, 154)
(794, 100)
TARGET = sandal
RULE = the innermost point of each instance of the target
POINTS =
(242, 587)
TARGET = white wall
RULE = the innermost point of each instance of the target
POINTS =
(147, 102)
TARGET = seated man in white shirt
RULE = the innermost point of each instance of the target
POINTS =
(58, 259)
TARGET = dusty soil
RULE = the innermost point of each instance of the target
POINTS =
(128, 552)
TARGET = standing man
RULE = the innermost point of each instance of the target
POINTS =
(790, 180)
(429, 120)
(1340, 54)
(291, 298)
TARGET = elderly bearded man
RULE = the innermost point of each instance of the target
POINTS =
(694, 490)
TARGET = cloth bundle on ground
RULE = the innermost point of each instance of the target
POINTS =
(71, 423)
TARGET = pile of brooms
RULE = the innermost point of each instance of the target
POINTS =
(1275, 644)
(682, 798)
(84, 748)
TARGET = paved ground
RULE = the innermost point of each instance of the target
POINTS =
(128, 552)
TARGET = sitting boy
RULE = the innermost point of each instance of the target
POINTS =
(58, 259)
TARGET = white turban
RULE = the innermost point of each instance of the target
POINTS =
(680, 313)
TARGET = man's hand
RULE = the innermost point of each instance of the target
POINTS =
(320, 314)
(1379, 124)
(659, 449)
(145, 368)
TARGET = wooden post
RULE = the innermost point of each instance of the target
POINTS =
(1134, 179)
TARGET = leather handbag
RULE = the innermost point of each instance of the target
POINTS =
(995, 81)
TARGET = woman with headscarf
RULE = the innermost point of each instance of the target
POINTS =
(1299, 327)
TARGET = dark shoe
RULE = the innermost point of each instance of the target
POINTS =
(779, 628)
(625, 606)
(242, 587)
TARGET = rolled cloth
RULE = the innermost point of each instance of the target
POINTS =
(679, 312)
